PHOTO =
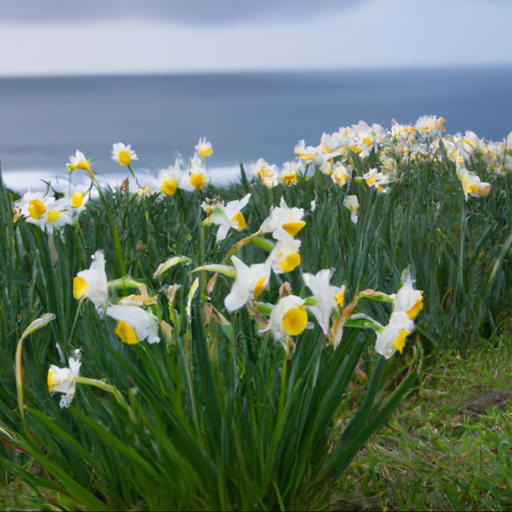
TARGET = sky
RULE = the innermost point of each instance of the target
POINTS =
(48, 37)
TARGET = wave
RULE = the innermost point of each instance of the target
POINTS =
(36, 179)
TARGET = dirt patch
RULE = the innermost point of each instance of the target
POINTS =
(478, 405)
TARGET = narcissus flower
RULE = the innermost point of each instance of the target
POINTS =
(170, 178)
(402, 132)
(134, 324)
(367, 137)
(44, 211)
(331, 142)
(394, 334)
(472, 185)
(123, 155)
(328, 298)
(196, 177)
(283, 218)
(92, 283)
(352, 205)
(78, 161)
(285, 256)
(250, 282)
(58, 214)
(408, 299)
(203, 148)
(266, 173)
(306, 153)
(228, 216)
(340, 174)
(290, 173)
(77, 200)
(62, 380)
(430, 125)
(288, 318)
(376, 179)
(33, 206)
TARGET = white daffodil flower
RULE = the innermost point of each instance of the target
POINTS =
(33, 207)
(203, 148)
(430, 125)
(290, 173)
(58, 214)
(196, 178)
(288, 318)
(92, 283)
(78, 161)
(394, 334)
(376, 179)
(228, 216)
(472, 185)
(283, 218)
(285, 255)
(44, 211)
(332, 142)
(306, 153)
(340, 174)
(368, 137)
(266, 173)
(408, 299)
(77, 199)
(170, 178)
(328, 297)
(402, 132)
(123, 155)
(134, 324)
(250, 281)
(62, 380)
(352, 205)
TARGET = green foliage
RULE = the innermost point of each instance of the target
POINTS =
(448, 448)
(221, 419)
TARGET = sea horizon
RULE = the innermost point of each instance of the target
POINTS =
(245, 114)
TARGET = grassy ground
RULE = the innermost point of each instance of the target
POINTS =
(449, 448)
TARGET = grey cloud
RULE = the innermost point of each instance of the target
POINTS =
(199, 12)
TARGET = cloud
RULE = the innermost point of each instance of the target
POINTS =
(198, 12)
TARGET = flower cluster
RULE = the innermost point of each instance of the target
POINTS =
(49, 213)
(395, 149)
(389, 152)
(288, 316)
(138, 318)
(135, 321)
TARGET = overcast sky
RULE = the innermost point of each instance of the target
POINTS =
(41, 37)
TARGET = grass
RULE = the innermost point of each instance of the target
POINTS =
(449, 446)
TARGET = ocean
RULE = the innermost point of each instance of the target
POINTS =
(244, 115)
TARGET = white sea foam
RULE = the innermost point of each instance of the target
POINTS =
(25, 179)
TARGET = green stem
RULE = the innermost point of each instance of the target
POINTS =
(34, 326)
(282, 396)
(109, 389)
(19, 381)
(113, 228)
(461, 250)
(202, 251)
(75, 320)
(132, 172)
